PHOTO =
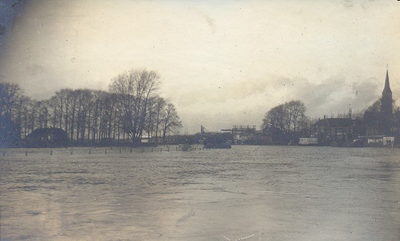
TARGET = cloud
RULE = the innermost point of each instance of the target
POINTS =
(246, 102)
(334, 94)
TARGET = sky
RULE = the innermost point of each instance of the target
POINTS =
(222, 63)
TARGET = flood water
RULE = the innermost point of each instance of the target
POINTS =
(245, 193)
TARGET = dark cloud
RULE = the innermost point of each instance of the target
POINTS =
(335, 95)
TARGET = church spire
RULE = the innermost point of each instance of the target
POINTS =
(387, 84)
(387, 107)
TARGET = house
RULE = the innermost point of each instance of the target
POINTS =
(334, 130)
(46, 137)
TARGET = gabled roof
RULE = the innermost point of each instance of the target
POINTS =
(41, 132)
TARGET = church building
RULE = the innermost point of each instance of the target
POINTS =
(380, 123)
(387, 107)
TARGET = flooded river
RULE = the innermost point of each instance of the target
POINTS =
(245, 193)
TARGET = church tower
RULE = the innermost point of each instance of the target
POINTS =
(387, 105)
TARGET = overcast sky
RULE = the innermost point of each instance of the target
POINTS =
(221, 63)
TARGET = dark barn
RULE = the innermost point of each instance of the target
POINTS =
(47, 137)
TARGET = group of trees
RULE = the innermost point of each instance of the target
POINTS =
(130, 110)
(288, 118)
(10, 95)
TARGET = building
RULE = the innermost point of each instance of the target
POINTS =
(387, 107)
(47, 137)
(334, 130)
(380, 122)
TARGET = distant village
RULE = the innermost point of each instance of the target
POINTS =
(122, 118)
(286, 124)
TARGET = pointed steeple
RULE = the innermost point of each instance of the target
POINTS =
(387, 84)
(387, 101)
(387, 107)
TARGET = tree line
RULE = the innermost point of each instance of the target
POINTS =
(289, 119)
(130, 110)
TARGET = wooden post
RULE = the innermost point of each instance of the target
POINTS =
(26, 153)
(119, 150)
(51, 152)
(105, 151)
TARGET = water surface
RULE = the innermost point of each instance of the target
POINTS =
(246, 193)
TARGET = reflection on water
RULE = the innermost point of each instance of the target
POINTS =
(246, 193)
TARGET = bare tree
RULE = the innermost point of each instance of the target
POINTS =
(275, 118)
(23, 109)
(159, 106)
(170, 120)
(134, 89)
(10, 96)
(286, 117)
(295, 110)
(84, 99)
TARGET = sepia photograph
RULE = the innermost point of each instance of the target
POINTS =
(187, 120)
